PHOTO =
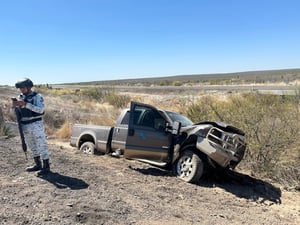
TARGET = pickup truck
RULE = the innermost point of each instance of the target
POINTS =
(165, 139)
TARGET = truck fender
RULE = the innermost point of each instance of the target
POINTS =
(178, 150)
(86, 136)
(179, 141)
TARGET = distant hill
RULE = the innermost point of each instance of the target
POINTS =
(284, 75)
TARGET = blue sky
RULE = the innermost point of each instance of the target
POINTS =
(57, 41)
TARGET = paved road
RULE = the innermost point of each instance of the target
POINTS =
(280, 90)
(276, 89)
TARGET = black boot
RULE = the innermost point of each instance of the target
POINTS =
(37, 166)
(46, 168)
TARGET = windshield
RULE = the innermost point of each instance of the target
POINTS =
(180, 118)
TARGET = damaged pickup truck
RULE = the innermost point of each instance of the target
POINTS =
(165, 139)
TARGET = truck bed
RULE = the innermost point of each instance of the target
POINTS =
(99, 135)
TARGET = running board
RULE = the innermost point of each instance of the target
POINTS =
(163, 164)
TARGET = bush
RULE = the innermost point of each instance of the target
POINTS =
(97, 94)
(53, 120)
(119, 101)
(269, 121)
(177, 83)
(5, 131)
(64, 131)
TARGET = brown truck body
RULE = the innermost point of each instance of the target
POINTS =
(164, 139)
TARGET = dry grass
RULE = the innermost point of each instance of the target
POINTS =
(271, 126)
(64, 132)
(66, 107)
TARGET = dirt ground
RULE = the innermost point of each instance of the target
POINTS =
(83, 189)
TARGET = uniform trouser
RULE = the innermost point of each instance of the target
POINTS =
(35, 138)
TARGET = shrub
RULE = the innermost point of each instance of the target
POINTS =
(64, 131)
(119, 101)
(165, 83)
(177, 83)
(5, 131)
(53, 120)
(269, 121)
(97, 94)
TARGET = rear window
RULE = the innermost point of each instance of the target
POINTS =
(125, 120)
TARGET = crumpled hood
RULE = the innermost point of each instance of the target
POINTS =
(223, 126)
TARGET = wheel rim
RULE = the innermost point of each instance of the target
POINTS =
(87, 150)
(185, 167)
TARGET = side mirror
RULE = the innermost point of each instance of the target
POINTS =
(176, 128)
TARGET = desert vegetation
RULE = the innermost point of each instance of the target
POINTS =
(271, 126)
(271, 122)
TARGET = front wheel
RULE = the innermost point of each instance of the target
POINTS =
(189, 167)
(88, 148)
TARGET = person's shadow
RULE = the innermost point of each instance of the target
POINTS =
(62, 181)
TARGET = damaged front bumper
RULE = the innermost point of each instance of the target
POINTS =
(224, 148)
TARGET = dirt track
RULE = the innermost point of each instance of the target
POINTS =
(104, 190)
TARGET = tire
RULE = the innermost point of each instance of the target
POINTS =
(88, 148)
(189, 167)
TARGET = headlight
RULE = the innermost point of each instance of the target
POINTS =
(203, 132)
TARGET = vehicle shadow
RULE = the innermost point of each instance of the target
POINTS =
(152, 171)
(62, 181)
(241, 185)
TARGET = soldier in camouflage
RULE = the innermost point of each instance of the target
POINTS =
(31, 105)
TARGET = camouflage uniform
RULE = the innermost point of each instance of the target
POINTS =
(30, 109)
(33, 126)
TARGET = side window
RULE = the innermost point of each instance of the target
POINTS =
(149, 118)
(159, 123)
(136, 117)
(125, 120)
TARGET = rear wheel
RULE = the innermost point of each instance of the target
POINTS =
(88, 148)
(189, 167)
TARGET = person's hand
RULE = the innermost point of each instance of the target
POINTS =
(19, 103)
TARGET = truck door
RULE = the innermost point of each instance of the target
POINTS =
(147, 138)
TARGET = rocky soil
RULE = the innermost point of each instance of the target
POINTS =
(83, 189)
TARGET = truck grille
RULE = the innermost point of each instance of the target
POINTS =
(229, 142)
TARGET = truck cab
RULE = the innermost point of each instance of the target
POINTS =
(148, 138)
